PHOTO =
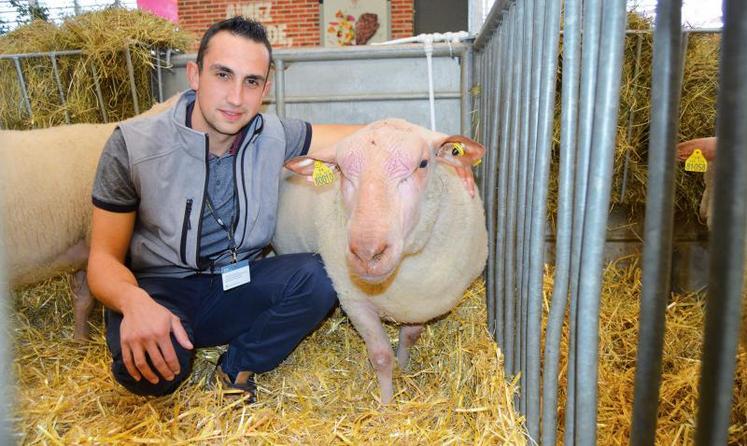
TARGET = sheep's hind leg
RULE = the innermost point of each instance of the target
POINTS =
(368, 324)
(76, 257)
(83, 303)
(408, 335)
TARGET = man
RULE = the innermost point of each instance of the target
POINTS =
(184, 202)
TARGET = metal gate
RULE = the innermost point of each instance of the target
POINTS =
(516, 57)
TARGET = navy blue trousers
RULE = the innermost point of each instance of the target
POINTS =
(262, 321)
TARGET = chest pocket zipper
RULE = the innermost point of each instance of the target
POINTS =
(186, 226)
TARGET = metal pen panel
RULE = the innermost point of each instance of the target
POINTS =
(592, 15)
(595, 227)
(569, 124)
(726, 272)
(658, 226)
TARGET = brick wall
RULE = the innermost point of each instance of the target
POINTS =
(289, 23)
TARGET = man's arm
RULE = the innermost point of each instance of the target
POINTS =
(146, 325)
(325, 136)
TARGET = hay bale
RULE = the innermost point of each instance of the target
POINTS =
(324, 393)
(697, 119)
(102, 35)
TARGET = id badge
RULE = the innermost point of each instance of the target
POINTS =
(235, 274)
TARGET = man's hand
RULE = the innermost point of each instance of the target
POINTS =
(146, 330)
(706, 145)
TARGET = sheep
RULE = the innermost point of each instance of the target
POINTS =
(400, 237)
(707, 147)
(46, 177)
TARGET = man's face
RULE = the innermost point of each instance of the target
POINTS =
(231, 85)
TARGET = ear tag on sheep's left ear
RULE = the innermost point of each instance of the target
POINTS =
(458, 149)
(696, 162)
(322, 174)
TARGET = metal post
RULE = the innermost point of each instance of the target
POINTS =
(511, 203)
(631, 114)
(526, 51)
(592, 17)
(131, 74)
(99, 96)
(726, 272)
(159, 75)
(60, 91)
(489, 179)
(280, 88)
(465, 80)
(569, 124)
(548, 64)
(22, 84)
(657, 249)
(502, 171)
(595, 228)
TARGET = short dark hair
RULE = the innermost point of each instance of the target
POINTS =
(238, 26)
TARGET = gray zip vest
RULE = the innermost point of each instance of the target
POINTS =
(168, 164)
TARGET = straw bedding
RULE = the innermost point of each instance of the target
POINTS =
(325, 393)
(680, 366)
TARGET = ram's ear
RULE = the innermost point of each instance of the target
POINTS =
(316, 171)
(460, 151)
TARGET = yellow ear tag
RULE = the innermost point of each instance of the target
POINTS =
(322, 174)
(696, 162)
(458, 149)
(477, 163)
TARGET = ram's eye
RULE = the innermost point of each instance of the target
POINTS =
(424, 164)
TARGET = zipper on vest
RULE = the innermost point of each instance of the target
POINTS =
(186, 226)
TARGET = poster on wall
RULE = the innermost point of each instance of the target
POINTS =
(354, 22)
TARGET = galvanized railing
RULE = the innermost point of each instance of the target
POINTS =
(515, 59)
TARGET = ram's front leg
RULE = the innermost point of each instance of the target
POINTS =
(366, 320)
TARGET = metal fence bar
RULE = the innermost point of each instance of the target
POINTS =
(658, 227)
(548, 62)
(726, 272)
(57, 80)
(490, 180)
(502, 172)
(22, 85)
(131, 75)
(511, 203)
(559, 302)
(525, 61)
(631, 114)
(40, 54)
(592, 14)
(159, 75)
(280, 87)
(99, 95)
(6, 363)
(465, 81)
(595, 228)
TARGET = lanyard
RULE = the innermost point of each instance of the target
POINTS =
(228, 229)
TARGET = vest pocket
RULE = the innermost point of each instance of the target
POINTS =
(186, 226)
